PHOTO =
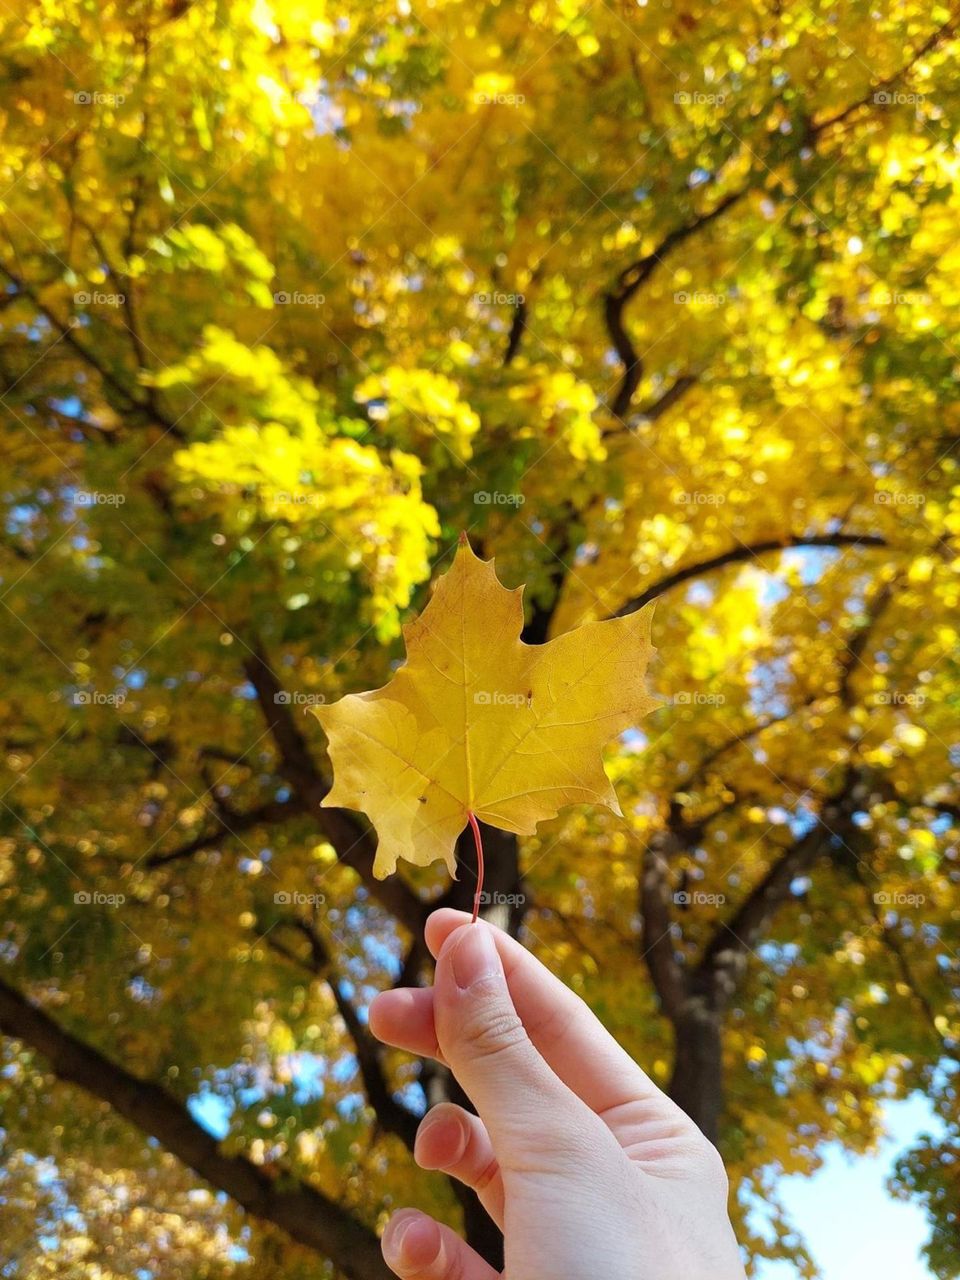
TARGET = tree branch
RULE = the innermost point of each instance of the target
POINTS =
(852, 657)
(391, 1114)
(734, 938)
(67, 334)
(537, 628)
(725, 955)
(892, 941)
(633, 278)
(517, 327)
(354, 844)
(745, 552)
(936, 38)
(269, 813)
(657, 408)
(303, 1212)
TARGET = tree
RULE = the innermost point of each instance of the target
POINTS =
(656, 304)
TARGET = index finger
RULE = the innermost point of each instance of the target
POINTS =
(567, 1034)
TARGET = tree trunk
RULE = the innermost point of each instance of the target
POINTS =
(697, 1081)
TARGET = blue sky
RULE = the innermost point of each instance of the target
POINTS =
(851, 1223)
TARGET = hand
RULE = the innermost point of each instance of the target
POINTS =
(587, 1168)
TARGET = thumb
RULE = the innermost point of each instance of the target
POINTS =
(520, 1100)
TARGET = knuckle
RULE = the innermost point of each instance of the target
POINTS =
(715, 1172)
(558, 1160)
(449, 1264)
(491, 1030)
(551, 1024)
(487, 1175)
(455, 1269)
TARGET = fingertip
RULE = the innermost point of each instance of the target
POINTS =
(469, 954)
(411, 1241)
(380, 1012)
(403, 1018)
(441, 1138)
(440, 924)
(455, 936)
(392, 1010)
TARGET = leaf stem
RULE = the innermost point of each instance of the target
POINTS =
(479, 843)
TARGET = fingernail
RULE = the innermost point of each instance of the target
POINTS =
(475, 956)
(396, 1229)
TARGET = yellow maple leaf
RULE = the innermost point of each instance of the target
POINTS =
(478, 723)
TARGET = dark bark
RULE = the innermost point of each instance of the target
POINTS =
(697, 1081)
(870, 98)
(537, 628)
(392, 1116)
(354, 843)
(656, 939)
(697, 1084)
(305, 1214)
(229, 824)
(726, 954)
(517, 327)
(673, 394)
(630, 280)
(745, 552)
(134, 404)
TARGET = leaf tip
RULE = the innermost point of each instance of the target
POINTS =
(383, 864)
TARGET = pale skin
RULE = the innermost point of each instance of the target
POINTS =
(585, 1165)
